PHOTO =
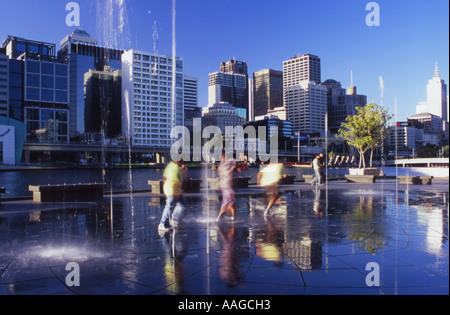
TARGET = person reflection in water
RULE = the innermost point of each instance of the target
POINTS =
(175, 203)
(226, 172)
(229, 268)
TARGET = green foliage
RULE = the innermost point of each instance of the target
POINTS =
(366, 130)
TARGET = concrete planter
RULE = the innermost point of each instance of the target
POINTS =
(364, 171)
(67, 193)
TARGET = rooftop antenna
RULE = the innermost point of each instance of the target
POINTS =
(436, 71)
(351, 75)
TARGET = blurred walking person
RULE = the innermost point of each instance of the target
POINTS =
(317, 166)
(175, 203)
(268, 178)
(226, 172)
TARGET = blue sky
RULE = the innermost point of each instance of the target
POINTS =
(412, 37)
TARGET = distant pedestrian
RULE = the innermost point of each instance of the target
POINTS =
(268, 178)
(317, 166)
(226, 172)
(175, 203)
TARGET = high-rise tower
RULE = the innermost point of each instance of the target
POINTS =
(436, 102)
(230, 85)
(304, 97)
(267, 91)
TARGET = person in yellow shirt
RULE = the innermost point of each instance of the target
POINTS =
(175, 203)
(268, 178)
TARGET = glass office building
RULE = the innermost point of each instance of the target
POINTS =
(82, 54)
(38, 89)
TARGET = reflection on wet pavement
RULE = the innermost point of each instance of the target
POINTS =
(317, 242)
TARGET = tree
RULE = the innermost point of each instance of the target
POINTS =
(366, 130)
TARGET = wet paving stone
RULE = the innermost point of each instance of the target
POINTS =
(318, 242)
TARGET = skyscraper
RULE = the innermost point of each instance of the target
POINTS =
(82, 53)
(191, 108)
(267, 91)
(230, 85)
(230, 88)
(341, 103)
(147, 97)
(301, 68)
(304, 97)
(103, 102)
(436, 102)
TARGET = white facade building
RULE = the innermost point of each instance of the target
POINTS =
(306, 106)
(304, 97)
(436, 102)
(404, 136)
(149, 112)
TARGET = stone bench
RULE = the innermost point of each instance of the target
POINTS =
(287, 180)
(67, 192)
(2, 191)
(238, 183)
(193, 186)
(213, 183)
(362, 179)
(308, 178)
(157, 186)
(414, 180)
(241, 182)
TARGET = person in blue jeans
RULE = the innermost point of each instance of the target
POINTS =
(175, 202)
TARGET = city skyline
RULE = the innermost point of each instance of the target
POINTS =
(403, 50)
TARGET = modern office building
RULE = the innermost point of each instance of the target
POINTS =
(191, 108)
(4, 85)
(301, 68)
(283, 127)
(103, 103)
(38, 89)
(230, 85)
(404, 136)
(267, 91)
(82, 54)
(427, 122)
(147, 107)
(435, 129)
(304, 97)
(230, 88)
(306, 107)
(341, 103)
(436, 102)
